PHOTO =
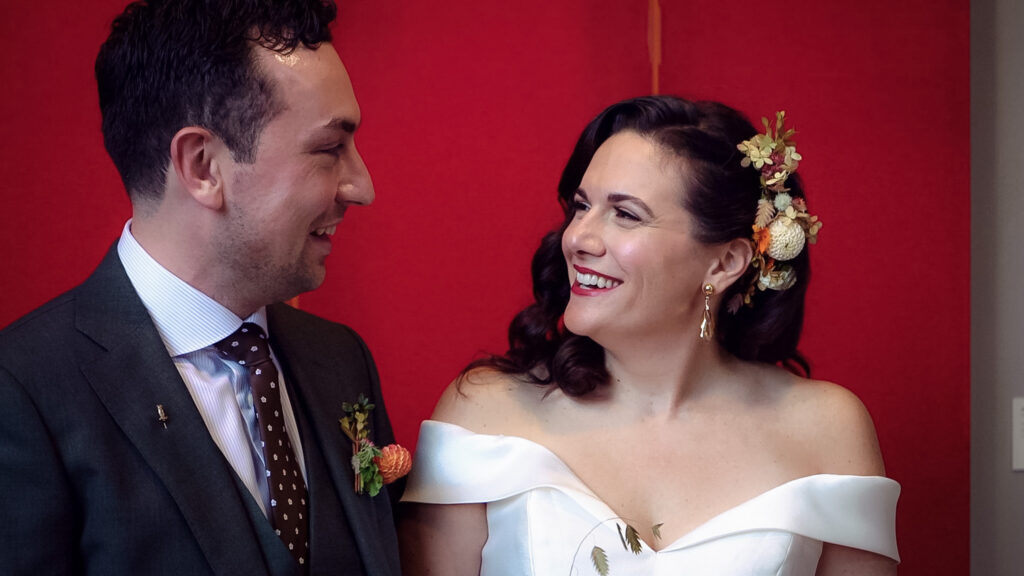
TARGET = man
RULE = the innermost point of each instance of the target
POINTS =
(143, 429)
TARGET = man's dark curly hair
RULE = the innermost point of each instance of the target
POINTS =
(722, 197)
(168, 64)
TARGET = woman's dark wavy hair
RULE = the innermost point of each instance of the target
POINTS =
(720, 194)
(168, 64)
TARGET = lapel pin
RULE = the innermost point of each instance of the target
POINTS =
(161, 416)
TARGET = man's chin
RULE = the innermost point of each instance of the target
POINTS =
(301, 284)
(310, 281)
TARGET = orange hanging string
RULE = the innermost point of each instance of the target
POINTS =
(654, 42)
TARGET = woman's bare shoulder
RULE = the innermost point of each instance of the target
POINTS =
(836, 425)
(486, 401)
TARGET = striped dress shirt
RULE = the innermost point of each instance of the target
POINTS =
(189, 323)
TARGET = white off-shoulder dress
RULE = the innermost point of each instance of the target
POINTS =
(543, 521)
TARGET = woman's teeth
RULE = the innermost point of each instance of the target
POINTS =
(595, 281)
(328, 230)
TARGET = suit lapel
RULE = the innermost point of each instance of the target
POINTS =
(318, 389)
(131, 377)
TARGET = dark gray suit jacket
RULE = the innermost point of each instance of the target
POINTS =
(92, 483)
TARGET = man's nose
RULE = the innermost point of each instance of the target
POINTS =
(356, 186)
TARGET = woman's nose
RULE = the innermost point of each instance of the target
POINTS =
(583, 235)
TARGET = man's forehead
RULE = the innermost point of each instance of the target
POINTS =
(313, 94)
(301, 57)
(311, 76)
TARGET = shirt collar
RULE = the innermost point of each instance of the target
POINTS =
(186, 319)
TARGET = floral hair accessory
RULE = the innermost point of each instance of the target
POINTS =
(782, 225)
(373, 467)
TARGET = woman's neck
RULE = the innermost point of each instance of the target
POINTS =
(661, 380)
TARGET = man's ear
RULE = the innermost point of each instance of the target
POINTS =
(732, 261)
(196, 157)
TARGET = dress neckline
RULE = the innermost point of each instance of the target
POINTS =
(710, 528)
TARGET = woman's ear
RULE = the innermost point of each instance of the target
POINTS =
(196, 157)
(731, 262)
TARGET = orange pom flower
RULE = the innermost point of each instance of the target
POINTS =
(394, 462)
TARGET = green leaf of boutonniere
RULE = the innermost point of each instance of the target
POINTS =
(368, 476)
(355, 425)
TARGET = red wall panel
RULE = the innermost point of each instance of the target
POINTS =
(879, 94)
(470, 110)
(61, 200)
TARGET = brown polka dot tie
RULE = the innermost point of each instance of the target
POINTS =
(248, 346)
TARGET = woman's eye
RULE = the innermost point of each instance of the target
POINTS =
(626, 215)
(579, 206)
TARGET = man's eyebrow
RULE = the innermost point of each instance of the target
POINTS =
(342, 124)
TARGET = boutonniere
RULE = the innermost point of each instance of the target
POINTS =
(374, 467)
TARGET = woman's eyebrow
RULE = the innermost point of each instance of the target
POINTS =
(616, 197)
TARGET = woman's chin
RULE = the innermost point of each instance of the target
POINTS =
(578, 324)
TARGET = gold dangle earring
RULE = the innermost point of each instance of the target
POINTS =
(707, 324)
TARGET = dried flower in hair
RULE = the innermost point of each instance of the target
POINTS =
(762, 239)
(787, 239)
(782, 201)
(782, 226)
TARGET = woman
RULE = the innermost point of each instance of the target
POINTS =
(640, 422)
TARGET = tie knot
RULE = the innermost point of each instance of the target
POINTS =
(247, 346)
